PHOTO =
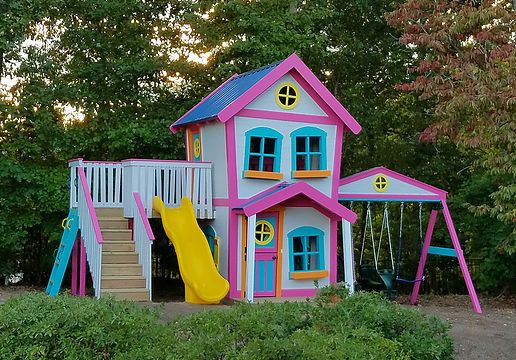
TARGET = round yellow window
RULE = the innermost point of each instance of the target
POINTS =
(197, 148)
(264, 232)
(287, 95)
(381, 183)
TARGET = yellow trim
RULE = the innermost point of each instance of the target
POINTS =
(269, 175)
(306, 275)
(311, 173)
(244, 244)
(287, 96)
(380, 183)
(279, 255)
(263, 241)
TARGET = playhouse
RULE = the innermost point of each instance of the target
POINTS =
(263, 165)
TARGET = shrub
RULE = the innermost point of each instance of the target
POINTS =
(362, 326)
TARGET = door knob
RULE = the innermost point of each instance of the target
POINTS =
(274, 258)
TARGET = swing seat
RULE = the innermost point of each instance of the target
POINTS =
(377, 280)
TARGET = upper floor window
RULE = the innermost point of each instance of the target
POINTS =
(287, 95)
(309, 152)
(306, 248)
(262, 153)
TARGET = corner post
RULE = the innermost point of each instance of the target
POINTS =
(251, 246)
(347, 251)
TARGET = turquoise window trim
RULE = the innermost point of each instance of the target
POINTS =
(309, 132)
(304, 232)
(263, 133)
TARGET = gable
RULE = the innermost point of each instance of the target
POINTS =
(382, 183)
(268, 101)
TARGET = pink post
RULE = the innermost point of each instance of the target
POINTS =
(462, 260)
(424, 253)
(82, 276)
(75, 253)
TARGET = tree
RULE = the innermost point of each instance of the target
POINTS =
(466, 68)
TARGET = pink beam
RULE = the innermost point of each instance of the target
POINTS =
(75, 253)
(462, 261)
(82, 270)
(424, 254)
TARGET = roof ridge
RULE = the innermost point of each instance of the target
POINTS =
(274, 64)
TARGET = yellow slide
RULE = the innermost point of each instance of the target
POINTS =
(203, 283)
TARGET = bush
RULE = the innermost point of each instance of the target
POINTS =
(335, 326)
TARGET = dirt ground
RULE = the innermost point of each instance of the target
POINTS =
(491, 335)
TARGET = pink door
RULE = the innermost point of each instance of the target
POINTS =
(266, 254)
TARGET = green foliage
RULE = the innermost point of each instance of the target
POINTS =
(362, 326)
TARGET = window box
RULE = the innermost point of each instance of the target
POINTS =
(308, 275)
(303, 174)
(269, 175)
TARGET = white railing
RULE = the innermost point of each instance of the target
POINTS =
(143, 238)
(90, 230)
(104, 178)
(113, 184)
(170, 180)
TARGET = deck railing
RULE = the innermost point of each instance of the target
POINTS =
(90, 230)
(143, 238)
(112, 184)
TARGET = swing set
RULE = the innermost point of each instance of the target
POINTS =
(378, 185)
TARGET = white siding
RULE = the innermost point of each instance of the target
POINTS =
(220, 224)
(267, 100)
(294, 218)
(396, 187)
(213, 137)
(250, 187)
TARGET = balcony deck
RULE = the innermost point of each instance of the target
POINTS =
(112, 184)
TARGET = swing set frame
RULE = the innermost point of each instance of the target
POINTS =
(384, 185)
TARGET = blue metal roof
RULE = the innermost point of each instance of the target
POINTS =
(225, 95)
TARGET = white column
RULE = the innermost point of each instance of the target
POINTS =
(347, 249)
(251, 245)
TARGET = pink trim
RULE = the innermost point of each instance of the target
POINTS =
(300, 188)
(100, 162)
(424, 253)
(292, 62)
(462, 261)
(173, 128)
(396, 175)
(167, 161)
(303, 202)
(143, 215)
(298, 292)
(333, 251)
(337, 156)
(390, 196)
(231, 162)
(82, 270)
(75, 253)
(233, 257)
(285, 116)
(75, 159)
(89, 203)
(220, 202)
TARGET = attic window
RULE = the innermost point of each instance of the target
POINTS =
(287, 95)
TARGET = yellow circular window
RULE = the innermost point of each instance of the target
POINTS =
(380, 183)
(264, 232)
(197, 148)
(287, 95)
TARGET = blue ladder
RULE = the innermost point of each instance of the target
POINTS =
(70, 226)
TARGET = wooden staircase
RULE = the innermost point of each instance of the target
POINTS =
(121, 274)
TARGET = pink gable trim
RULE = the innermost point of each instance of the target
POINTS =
(172, 127)
(380, 169)
(292, 62)
(327, 206)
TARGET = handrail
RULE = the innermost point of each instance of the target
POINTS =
(143, 239)
(141, 210)
(91, 208)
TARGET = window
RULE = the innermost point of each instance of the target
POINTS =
(306, 247)
(264, 232)
(263, 151)
(287, 95)
(380, 183)
(309, 153)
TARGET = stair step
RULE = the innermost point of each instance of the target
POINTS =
(122, 282)
(109, 212)
(119, 257)
(113, 223)
(116, 234)
(121, 269)
(117, 245)
(135, 294)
